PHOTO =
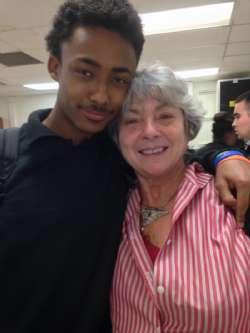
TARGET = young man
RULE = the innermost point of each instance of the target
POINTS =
(63, 207)
(241, 123)
(61, 215)
(223, 132)
(225, 142)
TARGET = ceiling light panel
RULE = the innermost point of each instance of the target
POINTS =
(187, 18)
(42, 86)
(203, 72)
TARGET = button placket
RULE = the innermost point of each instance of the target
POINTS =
(160, 290)
(169, 242)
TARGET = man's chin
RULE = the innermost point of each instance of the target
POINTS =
(92, 130)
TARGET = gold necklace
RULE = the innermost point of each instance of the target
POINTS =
(151, 214)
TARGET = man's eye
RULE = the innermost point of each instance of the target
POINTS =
(85, 73)
(121, 81)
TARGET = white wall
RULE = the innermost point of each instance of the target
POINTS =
(206, 92)
(17, 109)
(20, 107)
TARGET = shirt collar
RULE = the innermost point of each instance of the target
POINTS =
(37, 131)
(35, 128)
(194, 180)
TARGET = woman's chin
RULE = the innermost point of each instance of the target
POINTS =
(155, 173)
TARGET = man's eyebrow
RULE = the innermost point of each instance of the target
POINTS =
(121, 70)
(89, 61)
(92, 62)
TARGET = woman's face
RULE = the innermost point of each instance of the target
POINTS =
(152, 137)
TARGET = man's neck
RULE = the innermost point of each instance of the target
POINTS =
(61, 127)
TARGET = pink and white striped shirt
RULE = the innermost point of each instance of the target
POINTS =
(200, 281)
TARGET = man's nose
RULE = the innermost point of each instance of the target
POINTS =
(100, 94)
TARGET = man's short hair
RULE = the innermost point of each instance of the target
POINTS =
(244, 97)
(115, 15)
(222, 124)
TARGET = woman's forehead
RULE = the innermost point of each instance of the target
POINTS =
(139, 100)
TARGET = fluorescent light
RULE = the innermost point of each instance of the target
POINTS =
(42, 86)
(198, 73)
(187, 18)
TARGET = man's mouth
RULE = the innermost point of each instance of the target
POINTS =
(95, 115)
(153, 151)
(92, 113)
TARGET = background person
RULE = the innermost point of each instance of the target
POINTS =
(223, 132)
(183, 265)
(241, 123)
(221, 156)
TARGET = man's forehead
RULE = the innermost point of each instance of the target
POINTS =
(241, 108)
(101, 45)
(91, 61)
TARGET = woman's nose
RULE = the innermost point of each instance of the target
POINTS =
(150, 129)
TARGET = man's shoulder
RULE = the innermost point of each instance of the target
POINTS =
(9, 144)
(39, 115)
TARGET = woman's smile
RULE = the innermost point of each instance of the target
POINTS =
(153, 151)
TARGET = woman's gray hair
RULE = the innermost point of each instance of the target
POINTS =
(161, 83)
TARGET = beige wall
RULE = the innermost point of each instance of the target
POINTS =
(20, 107)
(4, 111)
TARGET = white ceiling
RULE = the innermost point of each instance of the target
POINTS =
(24, 23)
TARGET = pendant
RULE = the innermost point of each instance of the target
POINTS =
(149, 215)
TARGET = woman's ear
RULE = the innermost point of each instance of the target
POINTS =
(54, 66)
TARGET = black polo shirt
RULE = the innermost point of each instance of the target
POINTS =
(60, 224)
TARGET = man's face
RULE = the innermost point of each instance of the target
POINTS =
(94, 74)
(241, 123)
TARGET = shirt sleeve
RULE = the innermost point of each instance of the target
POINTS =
(205, 155)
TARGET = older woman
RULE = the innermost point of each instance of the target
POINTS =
(183, 265)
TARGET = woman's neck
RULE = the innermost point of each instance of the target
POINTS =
(158, 192)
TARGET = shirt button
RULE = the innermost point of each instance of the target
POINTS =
(160, 289)
(169, 242)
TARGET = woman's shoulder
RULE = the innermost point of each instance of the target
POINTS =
(220, 219)
(196, 174)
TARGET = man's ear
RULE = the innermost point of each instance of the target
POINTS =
(54, 67)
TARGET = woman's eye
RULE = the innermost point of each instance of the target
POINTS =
(130, 121)
(165, 116)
